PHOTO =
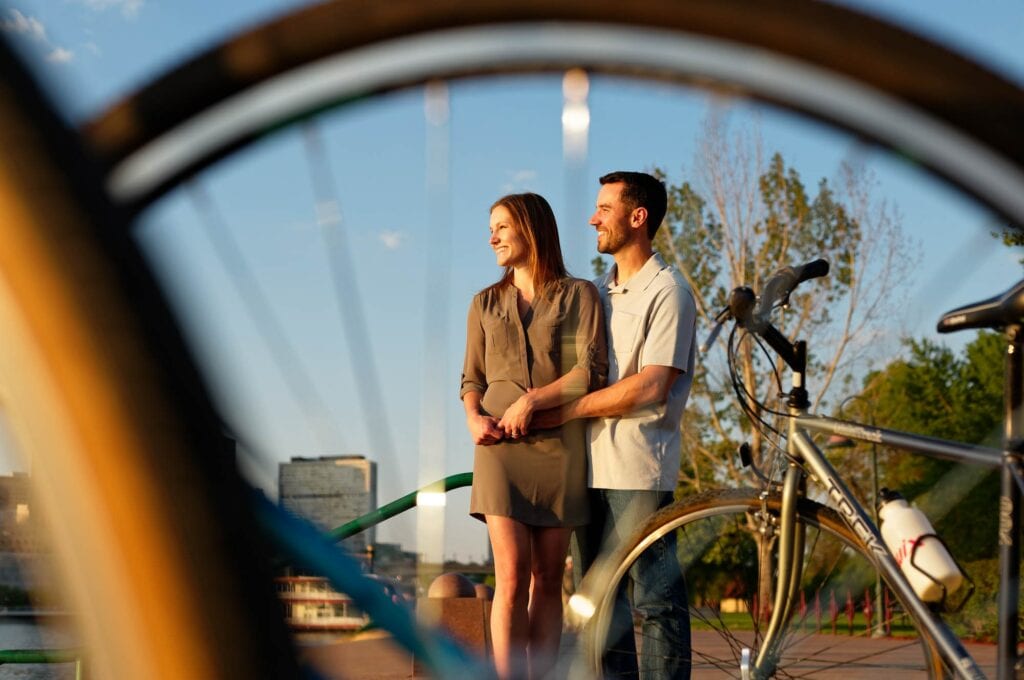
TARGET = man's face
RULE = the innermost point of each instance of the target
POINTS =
(611, 219)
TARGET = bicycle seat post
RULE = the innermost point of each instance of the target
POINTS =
(1009, 503)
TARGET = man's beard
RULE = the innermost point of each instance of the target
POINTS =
(611, 243)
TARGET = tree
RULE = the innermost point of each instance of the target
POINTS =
(1011, 237)
(935, 392)
(735, 222)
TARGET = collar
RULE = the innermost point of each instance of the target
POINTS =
(639, 281)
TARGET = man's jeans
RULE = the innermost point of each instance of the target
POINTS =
(658, 589)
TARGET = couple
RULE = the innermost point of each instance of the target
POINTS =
(559, 450)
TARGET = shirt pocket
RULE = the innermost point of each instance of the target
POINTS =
(496, 333)
(624, 335)
(543, 337)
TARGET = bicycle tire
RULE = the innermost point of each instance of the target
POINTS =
(836, 560)
(156, 560)
(945, 112)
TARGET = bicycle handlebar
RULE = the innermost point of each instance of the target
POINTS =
(743, 303)
(776, 290)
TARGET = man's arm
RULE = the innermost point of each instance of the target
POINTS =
(649, 386)
(667, 342)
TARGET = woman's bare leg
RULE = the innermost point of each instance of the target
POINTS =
(510, 624)
(549, 547)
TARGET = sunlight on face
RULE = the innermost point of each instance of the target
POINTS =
(508, 244)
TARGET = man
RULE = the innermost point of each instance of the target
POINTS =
(634, 439)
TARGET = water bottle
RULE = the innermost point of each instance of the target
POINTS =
(909, 536)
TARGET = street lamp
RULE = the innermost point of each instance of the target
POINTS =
(838, 441)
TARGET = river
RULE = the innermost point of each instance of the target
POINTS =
(26, 633)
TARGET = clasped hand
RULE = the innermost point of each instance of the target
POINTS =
(515, 422)
(484, 429)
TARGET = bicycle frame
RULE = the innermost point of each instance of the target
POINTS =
(805, 456)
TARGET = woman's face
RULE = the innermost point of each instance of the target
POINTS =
(509, 246)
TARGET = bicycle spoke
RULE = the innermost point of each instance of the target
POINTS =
(347, 296)
(290, 367)
(723, 577)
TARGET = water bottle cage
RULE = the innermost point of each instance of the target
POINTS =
(943, 605)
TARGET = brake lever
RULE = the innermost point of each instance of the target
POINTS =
(720, 320)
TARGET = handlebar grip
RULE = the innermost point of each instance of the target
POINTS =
(778, 287)
(812, 270)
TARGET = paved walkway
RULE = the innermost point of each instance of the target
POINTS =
(373, 656)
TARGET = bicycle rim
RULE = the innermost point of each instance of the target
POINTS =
(839, 63)
(720, 557)
(945, 112)
(143, 511)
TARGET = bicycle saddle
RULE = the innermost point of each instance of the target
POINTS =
(996, 312)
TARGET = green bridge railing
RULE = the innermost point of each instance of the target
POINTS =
(20, 656)
(397, 507)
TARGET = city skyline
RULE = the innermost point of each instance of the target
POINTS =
(503, 135)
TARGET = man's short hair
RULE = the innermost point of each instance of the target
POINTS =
(642, 190)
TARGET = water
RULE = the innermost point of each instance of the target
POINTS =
(50, 633)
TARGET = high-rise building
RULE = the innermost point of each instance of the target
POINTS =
(330, 491)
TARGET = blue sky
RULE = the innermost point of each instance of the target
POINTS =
(504, 135)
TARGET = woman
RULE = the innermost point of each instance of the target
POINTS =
(535, 340)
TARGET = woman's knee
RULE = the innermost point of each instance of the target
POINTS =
(514, 582)
(548, 577)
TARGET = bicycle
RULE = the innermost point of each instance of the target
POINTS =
(156, 544)
(798, 545)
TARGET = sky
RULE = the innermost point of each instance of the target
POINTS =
(386, 308)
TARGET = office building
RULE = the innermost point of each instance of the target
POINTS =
(330, 491)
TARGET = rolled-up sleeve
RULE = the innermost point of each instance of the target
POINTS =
(591, 340)
(584, 345)
(474, 377)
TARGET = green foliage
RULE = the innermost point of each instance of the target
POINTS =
(724, 568)
(935, 392)
(978, 620)
(1012, 238)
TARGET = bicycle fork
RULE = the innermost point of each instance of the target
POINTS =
(791, 536)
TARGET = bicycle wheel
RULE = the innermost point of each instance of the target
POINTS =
(718, 534)
(144, 517)
(947, 113)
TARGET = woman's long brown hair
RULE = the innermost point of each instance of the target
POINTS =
(534, 220)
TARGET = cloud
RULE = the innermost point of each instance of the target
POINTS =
(59, 55)
(519, 180)
(33, 29)
(129, 8)
(24, 25)
(392, 240)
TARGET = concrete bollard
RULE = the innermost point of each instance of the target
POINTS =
(461, 608)
(484, 591)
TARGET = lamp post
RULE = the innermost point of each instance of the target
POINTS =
(841, 442)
